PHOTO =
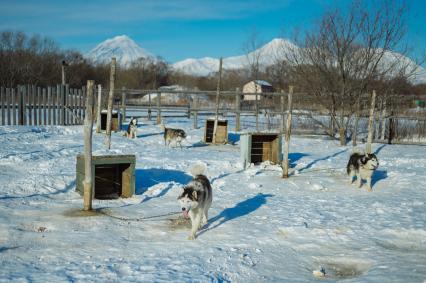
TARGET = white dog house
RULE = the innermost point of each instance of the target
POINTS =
(257, 86)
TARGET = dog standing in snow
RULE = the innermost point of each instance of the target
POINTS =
(196, 199)
(362, 166)
(176, 135)
(132, 128)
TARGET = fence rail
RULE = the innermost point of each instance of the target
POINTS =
(397, 117)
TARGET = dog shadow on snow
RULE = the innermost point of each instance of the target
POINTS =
(146, 178)
(377, 176)
(242, 208)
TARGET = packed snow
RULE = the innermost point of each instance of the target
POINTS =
(313, 226)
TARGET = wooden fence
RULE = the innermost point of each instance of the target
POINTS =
(35, 106)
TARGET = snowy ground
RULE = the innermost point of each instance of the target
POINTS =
(261, 229)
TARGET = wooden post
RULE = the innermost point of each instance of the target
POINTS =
(14, 106)
(82, 103)
(257, 111)
(219, 83)
(28, 103)
(21, 105)
(237, 110)
(57, 107)
(282, 99)
(383, 118)
(63, 73)
(288, 132)
(49, 106)
(357, 114)
(88, 124)
(9, 93)
(110, 102)
(44, 103)
(149, 106)
(123, 105)
(377, 119)
(158, 108)
(370, 123)
(188, 111)
(75, 105)
(2, 94)
(99, 109)
(37, 106)
(195, 111)
(64, 113)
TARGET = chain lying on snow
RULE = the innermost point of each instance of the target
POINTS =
(301, 173)
(136, 219)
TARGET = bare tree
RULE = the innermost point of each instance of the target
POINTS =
(253, 53)
(348, 52)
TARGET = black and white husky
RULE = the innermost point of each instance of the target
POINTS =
(132, 128)
(362, 166)
(196, 199)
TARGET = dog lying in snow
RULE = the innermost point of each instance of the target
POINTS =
(196, 199)
(362, 166)
(132, 128)
(176, 135)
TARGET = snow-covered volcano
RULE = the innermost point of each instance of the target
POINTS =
(276, 50)
(121, 47)
(267, 55)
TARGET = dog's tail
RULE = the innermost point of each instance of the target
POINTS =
(358, 150)
(198, 169)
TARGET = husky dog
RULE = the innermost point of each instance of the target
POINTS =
(132, 128)
(196, 199)
(176, 135)
(362, 166)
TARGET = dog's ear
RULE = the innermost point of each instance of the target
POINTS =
(195, 195)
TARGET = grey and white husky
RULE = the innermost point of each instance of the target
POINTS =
(176, 135)
(196, 199)
(362, 166)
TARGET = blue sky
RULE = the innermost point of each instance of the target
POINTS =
(177, 29)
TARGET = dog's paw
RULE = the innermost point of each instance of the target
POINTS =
(191, 237)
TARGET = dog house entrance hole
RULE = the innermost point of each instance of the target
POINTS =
(114, 120)
(264, 148)
(109, 180)
(221, 134)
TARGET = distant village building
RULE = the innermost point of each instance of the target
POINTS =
(256, 86)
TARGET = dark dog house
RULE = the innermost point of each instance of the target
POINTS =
(113, 176)
(221, 132)
(115, 120)
(259, 147)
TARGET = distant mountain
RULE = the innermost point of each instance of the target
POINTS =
(204, 66)
(126, 51)
(276, 50)
(122, 47)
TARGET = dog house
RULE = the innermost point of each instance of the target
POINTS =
(115, 120)
(113, 176)
(259, 147)
(221, 132)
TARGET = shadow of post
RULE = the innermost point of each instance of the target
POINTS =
(321, 159)
(294, 157)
